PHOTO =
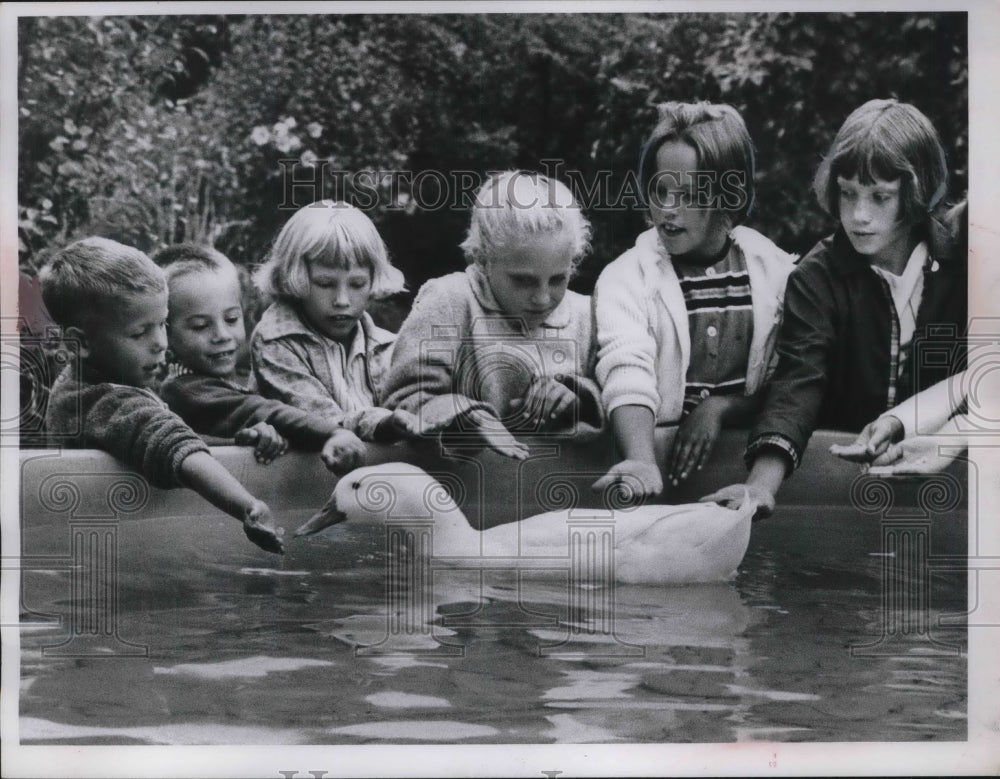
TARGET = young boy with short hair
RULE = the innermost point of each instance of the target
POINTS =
(207, 335)
(111, 300)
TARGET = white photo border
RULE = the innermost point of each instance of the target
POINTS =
(979, 754)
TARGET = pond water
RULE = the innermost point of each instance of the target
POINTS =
(315, 648)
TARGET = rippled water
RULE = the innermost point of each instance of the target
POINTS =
(314, 652)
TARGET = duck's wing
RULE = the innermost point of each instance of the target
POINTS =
(549, 530)
(695, 524)
(545, 535)
(635, 525)
(700, 542)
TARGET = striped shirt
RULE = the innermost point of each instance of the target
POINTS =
(720, 321)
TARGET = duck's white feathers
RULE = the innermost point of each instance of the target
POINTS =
(652, 544)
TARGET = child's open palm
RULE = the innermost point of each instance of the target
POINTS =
(918, 455)
(872, 442)
(260, 527)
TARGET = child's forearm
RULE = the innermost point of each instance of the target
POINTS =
(954, 432)
(304, 430)
(768, 471)
(209, 478)
(927, 411)
(633, 427)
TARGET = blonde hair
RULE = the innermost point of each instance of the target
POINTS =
(514, 204)
(329, 233)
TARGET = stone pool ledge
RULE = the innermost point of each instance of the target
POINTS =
(57, 483)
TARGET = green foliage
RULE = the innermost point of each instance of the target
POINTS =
(102, 150)
(159, 129)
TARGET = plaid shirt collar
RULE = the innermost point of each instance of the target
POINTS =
(285, 321)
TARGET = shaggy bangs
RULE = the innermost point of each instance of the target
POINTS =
(886, 141)
(329, 234)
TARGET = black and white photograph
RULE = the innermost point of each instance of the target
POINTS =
(499, 389)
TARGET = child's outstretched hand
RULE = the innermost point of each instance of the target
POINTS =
(496, 436)
(546, 400)
(918, 455)
(732, 497)
(872, 442)
(695, 439)
(259, 526)
(267, 442)
(643, 478)
(342, 452)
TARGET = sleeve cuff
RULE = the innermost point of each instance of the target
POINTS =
(369, 421)
(628, 385)
(773, 441)
(632, 399)
(443, 411)
(185, 449)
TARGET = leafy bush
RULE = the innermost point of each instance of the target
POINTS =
(154, 130)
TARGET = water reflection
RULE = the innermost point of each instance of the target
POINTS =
(317, 648)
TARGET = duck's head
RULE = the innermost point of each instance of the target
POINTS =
(376, 493)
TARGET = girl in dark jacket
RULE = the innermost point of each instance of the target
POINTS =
(878, 310)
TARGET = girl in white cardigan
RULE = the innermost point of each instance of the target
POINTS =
(686, 319)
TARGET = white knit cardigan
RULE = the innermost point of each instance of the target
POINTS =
(644, 346)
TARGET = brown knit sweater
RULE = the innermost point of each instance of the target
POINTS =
(130, 423)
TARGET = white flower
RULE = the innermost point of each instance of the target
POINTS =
(260, 135)
(309, 158)
(315, 129)
(285, 143)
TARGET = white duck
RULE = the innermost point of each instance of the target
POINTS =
(653, 544)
